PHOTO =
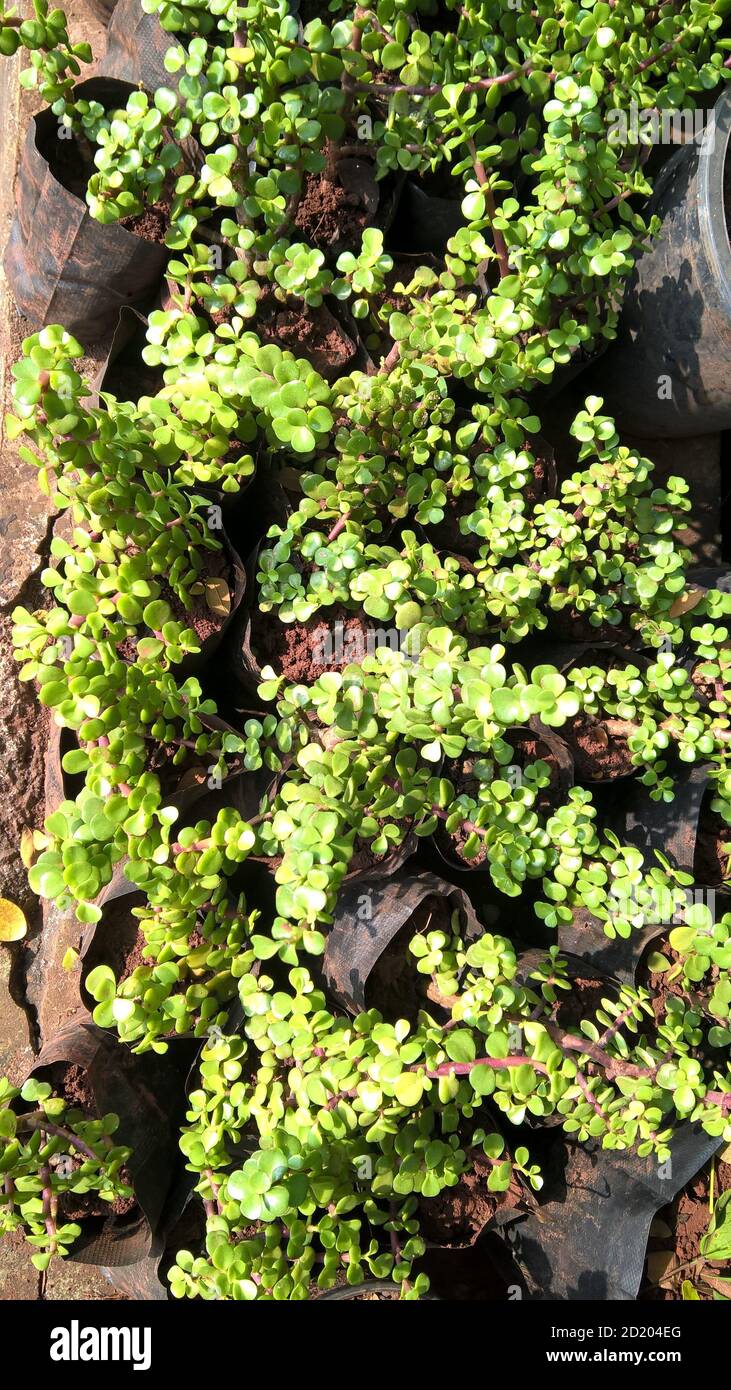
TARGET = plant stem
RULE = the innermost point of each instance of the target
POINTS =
(501, 250)
(39, 1120)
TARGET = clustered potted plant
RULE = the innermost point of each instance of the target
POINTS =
(444, 642)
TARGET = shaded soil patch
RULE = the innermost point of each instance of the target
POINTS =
(312, 333)
(460, 774)
(711, 857)
(458, 1214)
(200, 617)
(329, 217)
(599, 748)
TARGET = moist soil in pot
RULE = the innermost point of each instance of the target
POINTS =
(151, 224)
(530, 748)
(303, 651)
(312, 333)
(71, 1081)
(567, 626)
(676, 1234)
(201, 618)
(705, 690)
(694, 996)
(599, 749)
(711, 857)
(394, 986)
(582, 1002)
(391, 301)
(364, 858)
(458, 1214)
(460, 774)
(329, 217)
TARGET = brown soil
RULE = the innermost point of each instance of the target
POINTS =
(657, 983)
(390, 301)
(530, 748)
(710, 859)
(328, 217)
(200, 618)
(394, 986)
(460, 775)
(172, 776)
(446, 534)
(581, 1003)
(151, 224)
(458, 1215)
(540, 485)
(71, 1081)
(119, 942)
(79, 1206)
(312, 333)
(300, 651)
(687, 1217)
(568, 626)
(364, 859)
(599, 750)
(705, 689)
(133, 958)
(695, 996)
(26, 727)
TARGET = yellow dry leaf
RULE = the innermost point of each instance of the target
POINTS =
(218, 597)
(689, 599)
(27, 847)
(13, 925)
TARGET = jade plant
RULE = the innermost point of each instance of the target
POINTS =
(315, 1139)
(372, 1105)
(196, 947)
(50, 1155)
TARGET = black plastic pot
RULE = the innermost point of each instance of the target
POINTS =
(649, 825)
(370, 1288)
(122, 372)
(424, 222)
(136, 47)
(144, 1093)
(588, 1236)
(62, 266)
(368, 916)
(117, 927)
(669, 372)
